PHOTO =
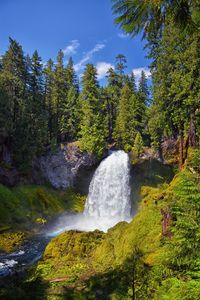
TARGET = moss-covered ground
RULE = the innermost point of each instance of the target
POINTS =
(27, 208)
(139, 256)
(130, 256)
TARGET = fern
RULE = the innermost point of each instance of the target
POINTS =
(185, 256)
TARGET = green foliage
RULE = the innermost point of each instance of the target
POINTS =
(9, 241)
(174, 288)
(42, 107)
(129, 118)
(25, 205)
(193, 160)
(93, 121)
(138, 145)
(150, 17)
(186, 230)
(158, 266)
(155, 127)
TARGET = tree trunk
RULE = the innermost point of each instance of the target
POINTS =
(192, 133)
(190, 139)
(181, 149)
(109, 121)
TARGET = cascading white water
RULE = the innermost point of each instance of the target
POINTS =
(108, 201)
(109, 191)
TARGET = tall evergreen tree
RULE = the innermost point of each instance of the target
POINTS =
(70, 106)
(59, 95)
(71, 78)
(120, 67)
(138, 145)
(14, 88)
(92, 131)
(125, 129)
(112, 94)
(49, 83)
(121, 64)
(38, 116)
(132, 82)
(176, 84)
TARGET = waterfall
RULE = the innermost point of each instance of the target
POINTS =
(108, 201)
(109, 191)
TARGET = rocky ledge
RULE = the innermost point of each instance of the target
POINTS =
(62, 168)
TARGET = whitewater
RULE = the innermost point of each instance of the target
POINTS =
(108, 201)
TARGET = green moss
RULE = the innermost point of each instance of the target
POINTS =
(100, 266)
(177, 289)
(11, 240)
(41, 221)
(27, 204)
(69, 254)
(144, 231)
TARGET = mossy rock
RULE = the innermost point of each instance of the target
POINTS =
(9, 241)
(69, 253)
(75, 243)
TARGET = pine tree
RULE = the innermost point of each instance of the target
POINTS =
(112, 95)
(92, 133)
(156, 129)
(13, 79)
(132, 82)
(176, 85)
(143, 91)
(70, 106)
(125, 123)
(70, 75)
(38, 116)
(59, 96)
(49, 82)
(120, 67)
(138, 145)
(70, 115)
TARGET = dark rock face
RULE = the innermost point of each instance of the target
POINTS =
(8, 173)
(63, 167)
(9, 177)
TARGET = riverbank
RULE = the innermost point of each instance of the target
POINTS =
(26, 209)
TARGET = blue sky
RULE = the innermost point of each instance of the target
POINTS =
(83, 29)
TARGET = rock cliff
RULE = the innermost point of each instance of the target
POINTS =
(62, 168)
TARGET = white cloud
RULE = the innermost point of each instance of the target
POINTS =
(87, 56)
(122, 35)
(71, 48)
(102, 68)
(137, 73)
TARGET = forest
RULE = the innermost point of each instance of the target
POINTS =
(47, 106)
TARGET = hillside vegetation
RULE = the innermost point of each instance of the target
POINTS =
(156, 254)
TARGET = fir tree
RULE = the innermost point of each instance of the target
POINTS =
(120, 67)
(38, 116)
(49, 82)
(92, 131)
(59, 95)
(125, 127)
(138, 145)
(14, 88)
(70, 106)
(112, 94)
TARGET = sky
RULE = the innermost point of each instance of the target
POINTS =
(83, 29)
